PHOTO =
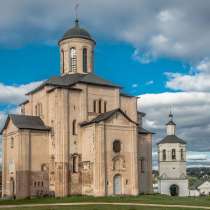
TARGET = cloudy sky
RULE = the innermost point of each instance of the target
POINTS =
(158, 50)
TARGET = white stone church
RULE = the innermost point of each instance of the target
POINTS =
(77, 134)
(173, 179)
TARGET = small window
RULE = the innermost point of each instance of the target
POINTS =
(173, 154)
(164, 155)
(75, 163)
(117, 146)
(12, 143)
(99, 106)
(62, 61)
(34, 184)
(94, 106)
(105, 106)
(142, 165)
(73, 60)
(182, 154)
(74, 124)
(84, 54)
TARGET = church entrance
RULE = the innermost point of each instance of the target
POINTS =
(117, 184)
(174, 190)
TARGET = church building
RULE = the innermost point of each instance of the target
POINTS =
(77, 134)
(173, 179)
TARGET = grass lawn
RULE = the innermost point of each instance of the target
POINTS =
(101, 207)
(151, 199)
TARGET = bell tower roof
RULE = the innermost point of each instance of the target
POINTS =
(76, 32)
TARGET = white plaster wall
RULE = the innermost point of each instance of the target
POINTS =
(164, 186)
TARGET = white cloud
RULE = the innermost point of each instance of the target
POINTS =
(151, 82)
(190, 113)
(154, 28)
(14, 94)
(196, 80)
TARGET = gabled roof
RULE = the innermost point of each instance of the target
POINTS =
(72, 79)
(171, 139)
(144, 131)
(26, 122)
(106, 116)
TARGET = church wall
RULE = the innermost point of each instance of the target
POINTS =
(106, 94)
(164, 186)
(172, 168)
(122, 163)
(10, 158)
(145, 162)
(129, 106)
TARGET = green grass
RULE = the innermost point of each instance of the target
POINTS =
(101, 207)
(152, 199)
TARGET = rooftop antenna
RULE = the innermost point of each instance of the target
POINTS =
(76, 9)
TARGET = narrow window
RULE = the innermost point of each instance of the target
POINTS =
(105, 106)
(94, 106)
(142, 165)
(74, 127)
(84, 55)
(99, 106)
(42, 184)
(173, 154)
(73, 60)
(75, 164)
(36, 110)
(164, 154)
(34, 184)
(12, 143)
(62, 61)
(182, 154)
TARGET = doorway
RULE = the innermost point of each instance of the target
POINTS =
(117, 184)
(174, 190)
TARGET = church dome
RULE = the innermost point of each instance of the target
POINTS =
(77, 32)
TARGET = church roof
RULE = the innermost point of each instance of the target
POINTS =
(171, 139)
(26, 122)
(144, 131)
(171, 122)
(76, 32)
(68, 80)
(106, 116)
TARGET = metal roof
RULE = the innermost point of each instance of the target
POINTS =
(171, 139)
(105, 116)
(77, 32)
(68, 80)
(26, 122)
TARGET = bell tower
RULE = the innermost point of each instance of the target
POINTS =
(76, 51)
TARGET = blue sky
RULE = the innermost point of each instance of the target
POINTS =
(158, 50)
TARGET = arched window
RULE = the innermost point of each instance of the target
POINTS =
(99, 106)
(12, 143)
(164, 154)
(105, 106)
(75, 162)
(84, 55)
(182, 154)
(173, 154)
(74, 132)
(62, 60)
(117, 146)
(73, 60)
(94, 106)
